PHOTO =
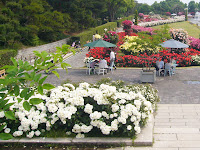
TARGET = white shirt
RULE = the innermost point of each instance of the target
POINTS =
(103, 64)
(161, 64)
(112, 55)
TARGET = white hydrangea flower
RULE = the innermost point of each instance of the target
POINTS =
(30, 134)
(88, 108)
(7, 130)
(95, 115)
(2, 114)
(17, 133)
(37, 133)
(129, 127)
(137, 129)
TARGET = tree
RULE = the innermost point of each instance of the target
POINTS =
(192, 6)
(144, 8)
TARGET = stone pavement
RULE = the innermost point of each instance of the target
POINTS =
(176, 127)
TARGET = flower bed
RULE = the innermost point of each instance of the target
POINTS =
(182, 59)
(160, 22)
(84, 110)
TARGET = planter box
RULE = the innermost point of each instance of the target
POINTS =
(148, 76)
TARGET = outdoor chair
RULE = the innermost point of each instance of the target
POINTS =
(101, 69)
(89, 68)
(160, 71)
(168, 69)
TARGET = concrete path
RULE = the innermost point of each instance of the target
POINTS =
(182, 88)
(176, 127)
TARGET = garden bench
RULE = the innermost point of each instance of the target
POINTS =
(2, 73)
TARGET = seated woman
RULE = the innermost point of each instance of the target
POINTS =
(103, 63)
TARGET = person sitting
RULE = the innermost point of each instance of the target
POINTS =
(168, 68)
(159, 66)
(93, 64)
(103, 63)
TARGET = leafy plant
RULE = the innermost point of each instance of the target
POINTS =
(23, 80)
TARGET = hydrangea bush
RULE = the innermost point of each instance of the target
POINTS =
(105, 109)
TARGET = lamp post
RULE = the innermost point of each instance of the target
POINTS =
(186, 14)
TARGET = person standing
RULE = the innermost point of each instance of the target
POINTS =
(112, 59)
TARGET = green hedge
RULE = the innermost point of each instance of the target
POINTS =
(119, 22)
(85, 36)
(5, 56)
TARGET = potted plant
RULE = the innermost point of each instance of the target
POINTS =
(148, 74)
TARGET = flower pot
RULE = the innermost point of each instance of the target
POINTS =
(148, 76)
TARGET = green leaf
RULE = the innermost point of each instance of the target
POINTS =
(37, 77)
(5, 136)
(7, 106)
(16, 90)
(24, 92)
(56, 73)
(32, 83)
(42, 80)
(19, 100)
(35, 101)
(26, 106)
(14, 61)
(40, 89)
(10, 115)
(48, 86)
(3, 103)
(1, 127)
(29, 95)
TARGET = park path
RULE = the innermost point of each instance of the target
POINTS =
(176, 127)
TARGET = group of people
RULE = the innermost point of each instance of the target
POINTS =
(103, 63)
(167, 66)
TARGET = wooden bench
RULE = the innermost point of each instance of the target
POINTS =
(2, 74)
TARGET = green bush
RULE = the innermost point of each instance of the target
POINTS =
(5, 56)
(87, 35)
(119, 22)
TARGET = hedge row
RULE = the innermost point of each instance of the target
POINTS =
(85, 36)
(5, 56)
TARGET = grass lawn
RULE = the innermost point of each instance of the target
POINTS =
(192, 29)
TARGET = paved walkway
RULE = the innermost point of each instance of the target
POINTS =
(176, 127)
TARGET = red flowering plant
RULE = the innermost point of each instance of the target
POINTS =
(143, 60)
(111, 37)
(127, 26)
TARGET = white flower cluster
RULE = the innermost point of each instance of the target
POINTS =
(160, 22)
(104, 107)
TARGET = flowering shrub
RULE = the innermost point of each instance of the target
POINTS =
(135, 45)
(89, 59)
(160, 22)
(97, 36)
(141, 15)
(100, 109)
(168, 14)
(137, 29)
(196, 60)
(127, 24)
(182, 59)
(195, 43)
(179, 35)
(111, 37)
